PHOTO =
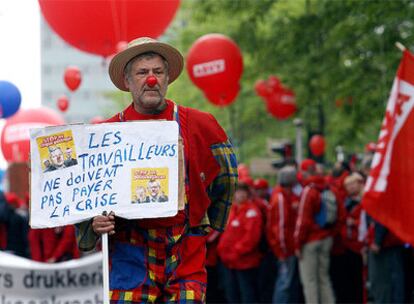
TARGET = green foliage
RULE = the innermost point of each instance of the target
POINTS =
(324, 50)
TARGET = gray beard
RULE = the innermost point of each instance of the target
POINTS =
(154, 111)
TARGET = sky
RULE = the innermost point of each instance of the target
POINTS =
(20, 48)
(20, 51)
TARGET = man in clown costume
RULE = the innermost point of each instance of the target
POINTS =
(163, 259)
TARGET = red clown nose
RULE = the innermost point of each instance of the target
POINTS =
(151, 81)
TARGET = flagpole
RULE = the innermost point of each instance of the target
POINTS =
(105, 268)
(105, 265)
(400, 46)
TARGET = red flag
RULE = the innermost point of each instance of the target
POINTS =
(389, 191)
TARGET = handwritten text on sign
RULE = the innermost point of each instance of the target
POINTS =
(79, 171)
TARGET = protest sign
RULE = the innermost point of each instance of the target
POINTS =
(79, 171)
(28, 282)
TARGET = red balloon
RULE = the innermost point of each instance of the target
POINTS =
(214, 63)
(97, 26)
(317, 145)
(274, 83)
(73, 78)
(63, 103)
(281, 105)
(15, 139)
(280, 110)
(262, 89)
(287, 96)
(225, 98)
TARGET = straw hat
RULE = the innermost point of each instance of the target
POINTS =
(142, 45)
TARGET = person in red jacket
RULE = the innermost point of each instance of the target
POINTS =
(260, 193)
(385, 265)
(338, 268)
(339, 172)
(312, 242)
(261, 188)
(280, 229)
(352, 264)
(268, 265)
(53, 244)
(215, 287)
(14, 218)
(239, 250)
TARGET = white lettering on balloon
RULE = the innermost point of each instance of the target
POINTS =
(209, 68)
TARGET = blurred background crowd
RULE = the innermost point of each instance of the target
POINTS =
(299, 236)
(277, 249)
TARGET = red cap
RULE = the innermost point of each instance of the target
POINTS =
(247, 180)
(261, 183)
(307, 163)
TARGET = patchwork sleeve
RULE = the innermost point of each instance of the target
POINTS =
(85, 236)
(222, 188)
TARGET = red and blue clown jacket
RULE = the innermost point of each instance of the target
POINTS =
(210, 164)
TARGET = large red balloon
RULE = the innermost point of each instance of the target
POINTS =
(317, 145)
(281, 105)
(280, 110)
(225, 98)
(98, 26)
(73, 78)
(214, 63)
(15, 140)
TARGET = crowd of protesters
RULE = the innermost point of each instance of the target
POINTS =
(320, 245)
(304, 240)
(48, 245)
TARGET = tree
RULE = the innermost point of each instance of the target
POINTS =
(338, 56)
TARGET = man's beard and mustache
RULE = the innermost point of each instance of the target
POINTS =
(152, 99)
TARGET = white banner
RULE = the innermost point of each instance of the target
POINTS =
(28, 282)
(79, 171)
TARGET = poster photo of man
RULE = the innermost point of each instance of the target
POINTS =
(57, 151)
(149, 185)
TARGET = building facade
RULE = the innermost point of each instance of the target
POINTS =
(92, 98)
